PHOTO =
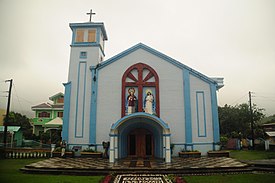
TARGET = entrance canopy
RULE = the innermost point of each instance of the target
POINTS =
(164, 125)
(125, 127)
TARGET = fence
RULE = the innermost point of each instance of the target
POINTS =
(25, 153)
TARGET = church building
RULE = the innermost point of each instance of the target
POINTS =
(143, 102)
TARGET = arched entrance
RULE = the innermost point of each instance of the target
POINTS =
(140, 135)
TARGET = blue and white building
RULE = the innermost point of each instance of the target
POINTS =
(140, 100)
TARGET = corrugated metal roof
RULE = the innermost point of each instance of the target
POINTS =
(271, 134)
(10, 128)
(56, 121)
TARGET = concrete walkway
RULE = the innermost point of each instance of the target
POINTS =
(99, 166)
(261, 165)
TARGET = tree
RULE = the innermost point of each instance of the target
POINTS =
(17, 119)
(235, 120)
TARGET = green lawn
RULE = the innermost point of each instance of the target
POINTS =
(241, 178)
(252, 155)
(10, 173)
(237, 178)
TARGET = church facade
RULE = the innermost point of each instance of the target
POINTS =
(143, 102)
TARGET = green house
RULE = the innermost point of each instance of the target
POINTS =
(46, 112)
(14, 136)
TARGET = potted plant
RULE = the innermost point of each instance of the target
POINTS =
(220, 153)
(90, 153)
(190, 154)
(223, 142)
(172, 148)
(57, 152)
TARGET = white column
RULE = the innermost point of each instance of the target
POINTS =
(116, 147)
(112, 150)
(266, 145)
(167, 149)
(164, 146)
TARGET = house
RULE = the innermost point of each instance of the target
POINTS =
(140, 101)
(269, 129)
(2, 116)
(47, 112)
(14, 136)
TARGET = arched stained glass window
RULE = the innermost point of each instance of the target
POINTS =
(140, 90)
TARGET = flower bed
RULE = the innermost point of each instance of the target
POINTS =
(67, 154)
(218, 153)
(190, 154)
(91, 154)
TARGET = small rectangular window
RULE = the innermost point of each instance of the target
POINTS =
(83, 54)
(60, 114)
(60, 100)
(44, 115)
(92, 36)
(80, 35)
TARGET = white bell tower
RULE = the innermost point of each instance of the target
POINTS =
(87, 51)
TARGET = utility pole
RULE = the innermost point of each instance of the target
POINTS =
(251, 120)
(7, 115)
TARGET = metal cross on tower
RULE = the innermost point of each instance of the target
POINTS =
(91, 14)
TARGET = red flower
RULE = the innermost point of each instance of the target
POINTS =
(107, 179)
(179, 180)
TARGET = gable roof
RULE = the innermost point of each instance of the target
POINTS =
(160, 55)
(42, 106)
(56, 96)
(55, 122)
(47, 106)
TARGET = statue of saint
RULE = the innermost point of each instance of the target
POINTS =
(149, 100)
(131, 101)
(106, 146)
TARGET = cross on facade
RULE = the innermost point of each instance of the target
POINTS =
(91, 14)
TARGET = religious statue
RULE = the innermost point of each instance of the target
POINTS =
(131, 101)
(106, 146)
(63, 148)
(149, 100)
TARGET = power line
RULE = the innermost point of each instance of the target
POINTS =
(26, 100)
(267, 93)
(15, 91)
(238, 99)
(264, 99)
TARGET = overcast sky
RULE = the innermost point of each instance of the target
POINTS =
(234, 39)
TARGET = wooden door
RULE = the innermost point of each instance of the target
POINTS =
(140, 143)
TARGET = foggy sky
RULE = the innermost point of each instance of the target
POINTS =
(233, 39)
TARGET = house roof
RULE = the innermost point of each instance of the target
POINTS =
(47, 106)
(42, 106)
(269, 124)
(217, 81)
(10, 128)
(56, 96)
(55, 122)
(271, 134)
(58, 106)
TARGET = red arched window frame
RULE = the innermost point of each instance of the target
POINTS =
(140, 82)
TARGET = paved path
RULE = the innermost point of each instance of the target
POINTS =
(89, 166)
(264, 162)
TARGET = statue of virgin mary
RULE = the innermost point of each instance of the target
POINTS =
(149, 100)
